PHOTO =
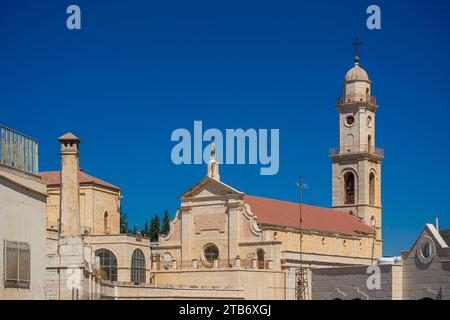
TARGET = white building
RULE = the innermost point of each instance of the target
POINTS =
(22, 218)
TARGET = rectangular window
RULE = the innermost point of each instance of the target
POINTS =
(17, 264)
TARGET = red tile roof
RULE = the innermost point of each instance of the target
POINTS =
(287, 214)
(54, 178)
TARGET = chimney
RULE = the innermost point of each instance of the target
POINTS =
(70, 203)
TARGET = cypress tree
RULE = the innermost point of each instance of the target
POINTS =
(166, 223)
(157, 227)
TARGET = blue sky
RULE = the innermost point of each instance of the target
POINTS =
(137, 70)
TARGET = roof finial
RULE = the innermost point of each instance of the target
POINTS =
(213, 165)
(356, 44)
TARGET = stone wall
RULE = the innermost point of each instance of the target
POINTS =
(94, 202)
(426, 280)
(122, 246)
(349, 283)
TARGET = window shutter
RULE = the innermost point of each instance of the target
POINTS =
(17, 261)
(24, 265)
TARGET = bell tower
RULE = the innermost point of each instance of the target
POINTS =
(356, 162)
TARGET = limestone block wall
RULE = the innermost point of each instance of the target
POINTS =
(95, 201)
(149, 292)
(122, 246)
(426, 280)
(348, 283)
(325, 243)
(252, 284)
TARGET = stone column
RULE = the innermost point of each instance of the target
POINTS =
(186, 230)
(234, 216)
(237, 262)
(70, 245)
(70, 194)
(254, 263)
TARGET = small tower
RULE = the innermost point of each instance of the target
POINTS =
(356, 163)
(70, 203)
(71, 263)
(213, 165)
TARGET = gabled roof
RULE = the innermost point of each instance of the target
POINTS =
(445, 234)
(53, 178)
(69, 136)
(431, 231)
(287, 214)
(205, 181)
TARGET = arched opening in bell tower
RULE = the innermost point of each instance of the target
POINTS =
(372, 188)
(349, 187)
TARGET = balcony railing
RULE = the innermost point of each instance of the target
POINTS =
(354, 149)
(216, 264)
(371, 99)
(18, 150)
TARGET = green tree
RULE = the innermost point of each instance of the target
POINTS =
(136, 229)
(145, 232)
(157, 227)
(123, 221)
(154, 228)
(166, 223)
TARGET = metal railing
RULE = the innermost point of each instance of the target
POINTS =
(370, 99)
(353, 149)
(18, 150)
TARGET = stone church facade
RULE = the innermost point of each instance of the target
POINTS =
(223, 243)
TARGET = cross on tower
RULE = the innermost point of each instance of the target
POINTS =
(356, 44)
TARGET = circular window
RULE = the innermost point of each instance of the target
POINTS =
(369, 121)
(426, 250)
(349, 121)
(211, 253)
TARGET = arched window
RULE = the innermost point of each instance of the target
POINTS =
(108, 264)
(105, 222)
(260, 257)
(138, 267)
(372, 188)
(349, 143)
(211, 253)
(349, 186)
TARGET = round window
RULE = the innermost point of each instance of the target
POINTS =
(211, 253)
(426, 250)
(349, 121)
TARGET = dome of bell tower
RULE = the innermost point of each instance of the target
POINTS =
(356, 86)
(356, 74)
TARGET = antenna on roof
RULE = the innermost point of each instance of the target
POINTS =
(437, 224)
(301, 280)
